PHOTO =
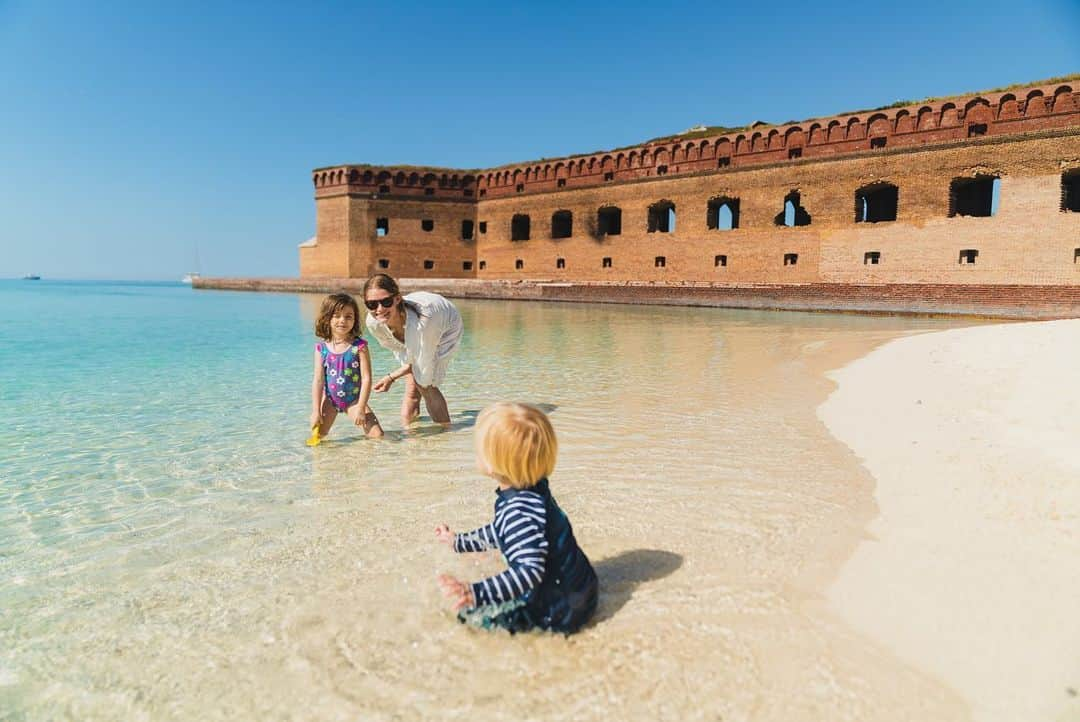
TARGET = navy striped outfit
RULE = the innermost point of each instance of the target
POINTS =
(548, 583)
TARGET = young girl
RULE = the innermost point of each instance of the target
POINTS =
(341, 382)
(549, 583)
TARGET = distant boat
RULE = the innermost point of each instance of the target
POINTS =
(31, 277)
(189, 278)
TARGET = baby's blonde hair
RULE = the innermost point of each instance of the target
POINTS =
(516, 444)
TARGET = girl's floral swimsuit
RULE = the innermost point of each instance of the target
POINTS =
(342, 372)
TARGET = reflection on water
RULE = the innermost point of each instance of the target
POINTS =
(169, 548)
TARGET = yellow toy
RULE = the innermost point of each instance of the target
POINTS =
(315, 439)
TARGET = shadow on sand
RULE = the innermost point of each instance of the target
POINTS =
(621, 574)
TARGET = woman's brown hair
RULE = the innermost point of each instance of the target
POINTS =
(330, 306)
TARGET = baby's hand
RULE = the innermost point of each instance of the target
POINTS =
(457, 591)
(443, 534)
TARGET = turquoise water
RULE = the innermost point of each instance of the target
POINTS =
(170, 548)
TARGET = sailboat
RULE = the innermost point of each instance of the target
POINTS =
(190, 277)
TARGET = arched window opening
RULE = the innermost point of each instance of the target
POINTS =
(1070, 191)
(560, 263)
(609, 221)
(720, 261)
(876, 202)
(662, 217)
(606, 262)
(519, 264)
(723, 214)
(562, 224)
(978, 196)
(790, 259)
(793, 214)
(384, 263)
(660, 262)
(427, 224)
(519, 227)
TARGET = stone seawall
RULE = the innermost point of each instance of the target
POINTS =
(1025, 302)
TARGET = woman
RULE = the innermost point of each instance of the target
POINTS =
(423, 331)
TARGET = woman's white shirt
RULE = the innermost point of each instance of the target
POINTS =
(431, 337)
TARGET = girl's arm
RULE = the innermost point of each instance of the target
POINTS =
(318, 383)
(365, 380)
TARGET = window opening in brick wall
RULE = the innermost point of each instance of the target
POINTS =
(660, 262)
(790, 259)
(878, 142)
(723, 162)
(483, 192)
(609, 177)
(382, 226)
(723, 213)
(1070, 191)
(562, 224)
(427, 224)
(1076, 255)
(483, 265)
(483, 226)
(429, 191)
(560, 263)
(519, 227)
(384, 263)
(384, 189)
(793, 214)
(871, 258)
(661, 170)
(978, 196)
(466, 265)
(467, 230)
(609, 221)
(662, 217)
(976, 129)
(560, 183)
(968, 255)
(428, 265)
(876, 202)
(520, 188)
(794, 153)
(720, 261)
(519, 264)
(606, 262)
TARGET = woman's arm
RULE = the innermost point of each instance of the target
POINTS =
(387, 381)
(318, 383)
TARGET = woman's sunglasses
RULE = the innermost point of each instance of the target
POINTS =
(384, 302)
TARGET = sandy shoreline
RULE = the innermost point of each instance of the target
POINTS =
(971, 572)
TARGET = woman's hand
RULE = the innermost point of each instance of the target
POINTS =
(356, 414)
(457, 591)
(384, 384)
(443, 534)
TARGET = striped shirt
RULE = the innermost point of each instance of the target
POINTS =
(518, 532)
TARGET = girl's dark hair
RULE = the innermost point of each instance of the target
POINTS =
(386, 283)
(331, 305)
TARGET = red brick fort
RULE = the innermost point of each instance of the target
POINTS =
(978, 192)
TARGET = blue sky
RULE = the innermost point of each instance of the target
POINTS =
(136, 133)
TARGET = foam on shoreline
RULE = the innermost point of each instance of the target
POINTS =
(971, 570)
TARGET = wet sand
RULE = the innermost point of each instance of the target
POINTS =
(971, 569)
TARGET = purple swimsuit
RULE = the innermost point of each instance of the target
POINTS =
(342, 372)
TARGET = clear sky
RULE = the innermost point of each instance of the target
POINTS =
(137, 134)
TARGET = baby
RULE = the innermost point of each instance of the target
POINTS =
(549, 583)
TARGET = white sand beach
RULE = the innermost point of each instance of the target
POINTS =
(971, 569)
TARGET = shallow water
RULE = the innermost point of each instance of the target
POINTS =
(170, 548)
